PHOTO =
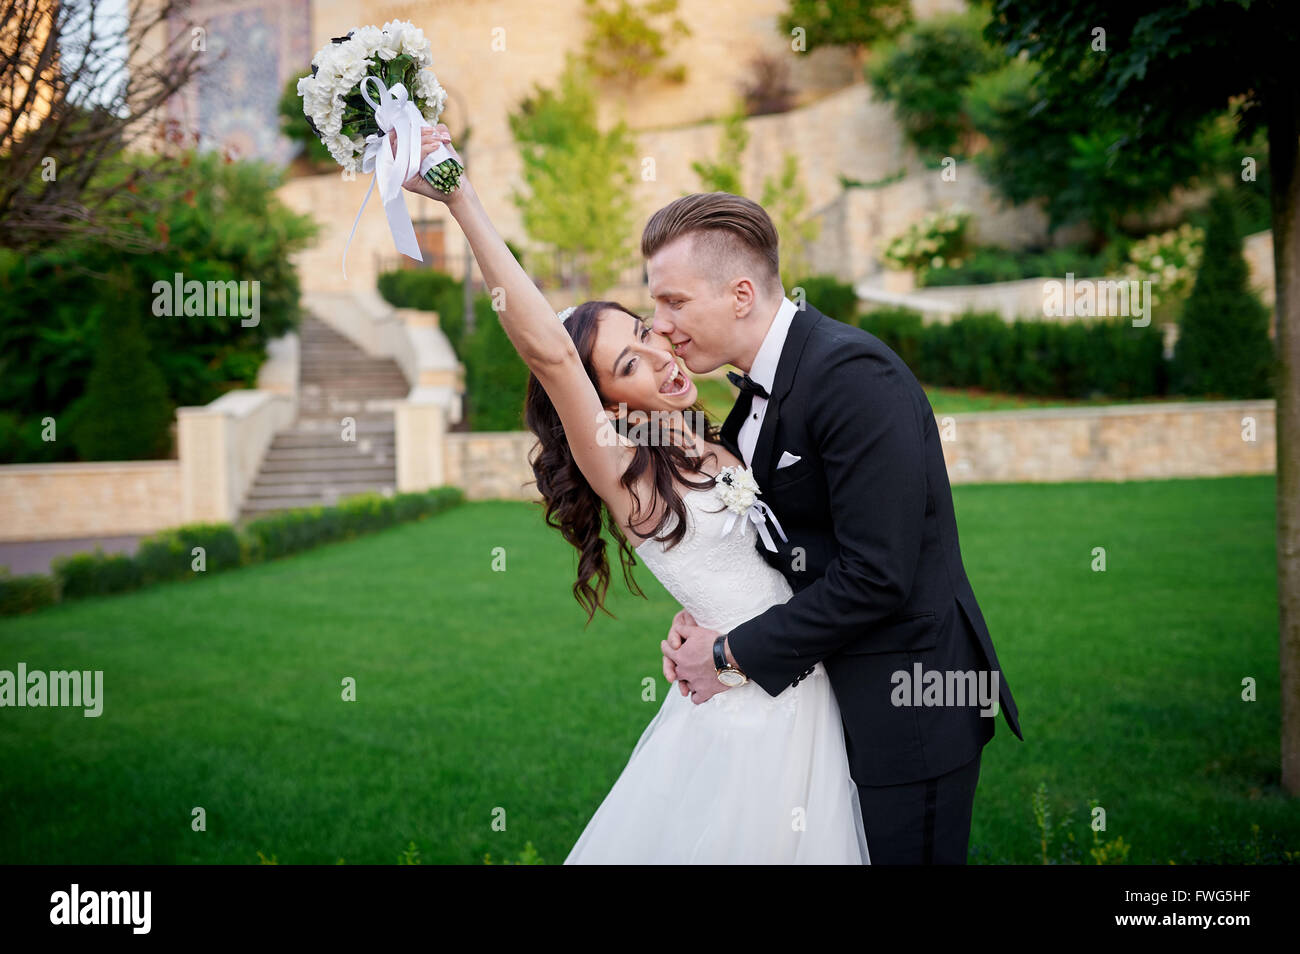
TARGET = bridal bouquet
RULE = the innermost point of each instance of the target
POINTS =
(362, 87)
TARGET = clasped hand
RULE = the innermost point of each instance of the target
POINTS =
(688, 658)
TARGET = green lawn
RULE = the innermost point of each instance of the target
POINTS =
(482, 692)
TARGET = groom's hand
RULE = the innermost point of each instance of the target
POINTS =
(692, 659)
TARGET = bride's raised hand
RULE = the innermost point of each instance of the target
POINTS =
(431, 137)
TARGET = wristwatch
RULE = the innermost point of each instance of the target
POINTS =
(728, 674)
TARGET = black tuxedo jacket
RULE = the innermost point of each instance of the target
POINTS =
(872, 554)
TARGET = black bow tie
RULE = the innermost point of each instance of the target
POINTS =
(747, 385)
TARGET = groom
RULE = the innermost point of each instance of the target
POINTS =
(843, 444)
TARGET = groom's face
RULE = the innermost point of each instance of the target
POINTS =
(693, 310)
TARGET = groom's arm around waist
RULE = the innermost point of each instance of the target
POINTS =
(870, 435)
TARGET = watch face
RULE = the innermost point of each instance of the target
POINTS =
(729, 677)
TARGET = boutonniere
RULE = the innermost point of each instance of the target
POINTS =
(738, 489)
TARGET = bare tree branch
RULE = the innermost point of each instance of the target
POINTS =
(77, 89)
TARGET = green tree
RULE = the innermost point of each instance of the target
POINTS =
(125, 413)
(1223, 346)
(225, 224)
(925, 73)
(723, 174)
(786, 201)
(856, 24)
(627, 42)
(579, 181)
(1167, 67)
(1080, 162)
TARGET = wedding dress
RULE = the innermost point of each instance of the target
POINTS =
(744, 778)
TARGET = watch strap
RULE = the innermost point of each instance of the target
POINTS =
(720, 653)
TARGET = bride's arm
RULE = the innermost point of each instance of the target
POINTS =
(538, 335)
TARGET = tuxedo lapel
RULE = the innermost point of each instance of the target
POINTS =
(730, 433)
(800, 326)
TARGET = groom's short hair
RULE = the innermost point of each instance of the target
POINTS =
(729, 232)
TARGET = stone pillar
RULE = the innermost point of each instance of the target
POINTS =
(204, 452)
(420, 424)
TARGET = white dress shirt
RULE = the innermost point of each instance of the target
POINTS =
(764, 372)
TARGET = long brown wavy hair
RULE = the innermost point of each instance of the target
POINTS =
(574, 508)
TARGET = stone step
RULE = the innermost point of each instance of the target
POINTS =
(322, 424)
(288, 439)
(346, 407)
(339, 488)
(357, 473)
(309, 463)
(297, 455)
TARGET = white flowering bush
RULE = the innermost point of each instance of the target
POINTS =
(937, 241)
(396, 53)
(1169, 260)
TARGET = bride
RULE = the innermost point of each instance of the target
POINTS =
(743, 777)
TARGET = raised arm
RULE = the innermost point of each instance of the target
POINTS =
(538, 336)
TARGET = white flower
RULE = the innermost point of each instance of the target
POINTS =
(737, 488)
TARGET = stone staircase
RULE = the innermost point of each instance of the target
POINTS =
(314, 462)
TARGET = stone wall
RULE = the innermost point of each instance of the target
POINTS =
(1111, 443)
(52, 501)
(491, 464)
(1115, 442)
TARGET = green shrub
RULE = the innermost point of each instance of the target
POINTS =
(169, 554)
(986, 264)
(280, 534)
(901, 329)
(95, 574)
(496, 377)
(23, 594)
(125, 413)
(1038, 358)
(830, 296)
(1223, 345)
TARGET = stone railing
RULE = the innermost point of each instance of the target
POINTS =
(221, 446)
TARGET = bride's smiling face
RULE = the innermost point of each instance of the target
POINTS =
(636, 367)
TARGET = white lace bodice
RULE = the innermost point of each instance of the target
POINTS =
(722, 580)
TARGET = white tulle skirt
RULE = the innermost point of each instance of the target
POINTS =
(744, 778)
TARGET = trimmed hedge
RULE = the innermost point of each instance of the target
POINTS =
(23, 594)
(988, 263)
(294, 530)
(1038, 358)
(169, 554)
(830, 296)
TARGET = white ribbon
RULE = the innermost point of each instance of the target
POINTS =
(758, 514)
(395, 110)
